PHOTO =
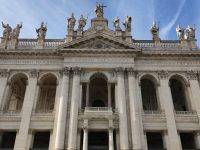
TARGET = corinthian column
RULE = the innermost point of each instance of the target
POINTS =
(22, 136)
(74, 110)
(3, 85)
(194, 90)
(135, 113)
(167, 105)
(61, 112)
(123, 131)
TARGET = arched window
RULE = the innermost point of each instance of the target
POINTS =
(178, 91)
(47, 92)
(98, 96)
(16, 92)
(149, 96)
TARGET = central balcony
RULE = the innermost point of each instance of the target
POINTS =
(98, 112)
(98, 117)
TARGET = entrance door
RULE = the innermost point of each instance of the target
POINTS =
(98, 140)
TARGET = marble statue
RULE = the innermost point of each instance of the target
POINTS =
(7, 31)
(127, 23)
(99, 10)
(180, 33)
(16, 31)
(82, 22)
(116, 24)
(71, 22)
(190, 33)
(41, 32)
(155, 32)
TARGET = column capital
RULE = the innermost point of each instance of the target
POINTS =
(191, 75)
(119, 71)
(76, 70)
(131, 71)
(65, 71)
(4, 73)
(163, 74)
(33, 73)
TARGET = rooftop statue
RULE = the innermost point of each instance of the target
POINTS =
(7, 31)
(116, 24)
(127, 23)
(190, 33)
(41, 32)
(155, 32)
(99, 10)
(180, 33)
(16, 31)
(71, 22)
(82, 22)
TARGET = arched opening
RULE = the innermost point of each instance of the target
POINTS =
(47, 93)
(178, 91)
(16, 92)
(98, 103)
(149, 94)
(98, 91)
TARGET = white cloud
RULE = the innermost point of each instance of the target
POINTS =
(165, 30)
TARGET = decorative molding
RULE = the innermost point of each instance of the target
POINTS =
(4, 73)
(66, 71)
(163, 74)
(76, 70)
(33, 73)
(191, 75)
(131, 71)
(119, 71)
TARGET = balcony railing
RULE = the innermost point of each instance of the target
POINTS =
(10, 112)
(153, 112)
(43, 111)
(102, 109)
(185, 112)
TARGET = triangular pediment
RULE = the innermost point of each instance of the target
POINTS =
(97, 41)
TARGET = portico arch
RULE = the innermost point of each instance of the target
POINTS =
(98, 87)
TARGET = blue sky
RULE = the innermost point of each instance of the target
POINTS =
(169, 13)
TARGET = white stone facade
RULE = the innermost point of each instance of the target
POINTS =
(124, 62)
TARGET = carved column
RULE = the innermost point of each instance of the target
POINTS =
(22, 136)
(167, 105)
(3, 80)
(123, 128)
(135, 113)
(61, 111)
(109, 95)
(74, 109)
(85, 135)
(165, 138)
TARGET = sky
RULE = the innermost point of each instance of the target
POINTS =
(168, 14)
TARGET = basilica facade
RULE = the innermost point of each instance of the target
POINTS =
(99, 89)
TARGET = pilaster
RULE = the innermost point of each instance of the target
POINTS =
(73, 123)
(21, 142)
(167, 105)
(61, 111)
(135, 111)
(123, 128)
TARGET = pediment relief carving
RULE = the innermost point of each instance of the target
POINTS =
(97, 41)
